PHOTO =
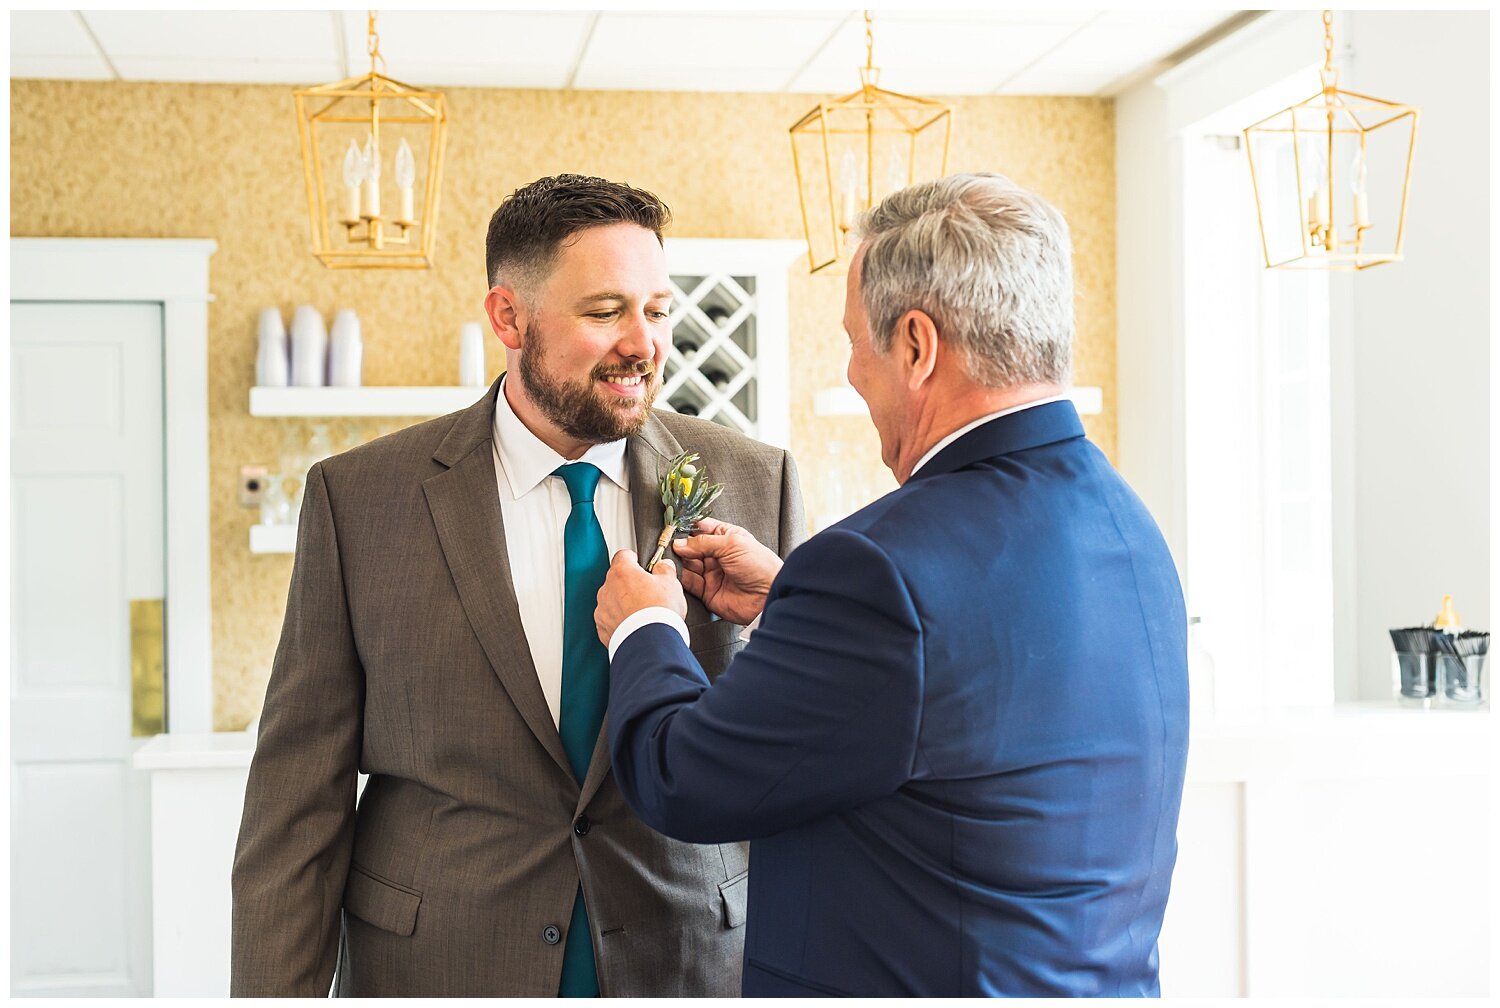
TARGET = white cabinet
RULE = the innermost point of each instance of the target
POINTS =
(729, 358)
(1342, 850)
(197, 794)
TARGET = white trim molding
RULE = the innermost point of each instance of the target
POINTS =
(171, 272)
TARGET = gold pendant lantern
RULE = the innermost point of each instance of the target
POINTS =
(851, 152)
(348, 128)
(1332, 176)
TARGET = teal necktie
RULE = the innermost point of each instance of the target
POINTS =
(585, 684)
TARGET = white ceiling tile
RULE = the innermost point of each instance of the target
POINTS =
(49, 33)
(275, 37)
(678, 78)
(1039, 81)
(953, 56)
(60, 68)
(226, 71)
(471, 48)
(1121, 42)
(700, 51)
(946, 52)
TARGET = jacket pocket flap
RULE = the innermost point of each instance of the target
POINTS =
(735, 893)
(380, 903)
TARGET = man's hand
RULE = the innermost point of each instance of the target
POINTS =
(728, 569)
(628, 589)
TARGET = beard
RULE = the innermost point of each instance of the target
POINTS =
(580, 409)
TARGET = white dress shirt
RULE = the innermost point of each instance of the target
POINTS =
(658, 614)
(534, 506)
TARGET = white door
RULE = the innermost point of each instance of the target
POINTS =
(87, 552)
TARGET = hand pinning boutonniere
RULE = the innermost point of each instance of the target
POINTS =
(685, 496)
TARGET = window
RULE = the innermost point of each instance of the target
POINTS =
(1257, 419)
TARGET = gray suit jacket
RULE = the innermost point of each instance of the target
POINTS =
(402, 656)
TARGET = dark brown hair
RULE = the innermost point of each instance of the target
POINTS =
(529, 228)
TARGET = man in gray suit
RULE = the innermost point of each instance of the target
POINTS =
(437, 639)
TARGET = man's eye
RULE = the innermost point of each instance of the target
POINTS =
(603, 315)
(659, 314)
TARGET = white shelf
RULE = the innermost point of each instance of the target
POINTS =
(370, 401)
(273, 538)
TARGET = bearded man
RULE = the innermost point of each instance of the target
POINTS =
(439, 637)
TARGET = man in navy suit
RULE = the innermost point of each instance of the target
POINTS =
(957, 737)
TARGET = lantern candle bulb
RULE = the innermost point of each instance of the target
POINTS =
(406, 177)
(848, 192)
(1317, 209)
(354, 175)
(1358, 176)
(372, 180)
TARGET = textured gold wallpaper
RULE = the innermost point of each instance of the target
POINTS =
(191, 160)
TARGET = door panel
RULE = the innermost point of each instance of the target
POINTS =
(88, 538)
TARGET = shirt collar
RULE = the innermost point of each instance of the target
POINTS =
(526, 460)
(945, 442)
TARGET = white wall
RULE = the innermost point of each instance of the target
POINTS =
(1410, 396)
(1419, 334)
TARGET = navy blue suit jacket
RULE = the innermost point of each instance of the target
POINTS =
(957, 739)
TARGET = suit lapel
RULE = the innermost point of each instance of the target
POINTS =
(647, 455)
(465, 506)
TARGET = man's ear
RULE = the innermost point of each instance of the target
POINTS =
(507, 314)
(916, 341)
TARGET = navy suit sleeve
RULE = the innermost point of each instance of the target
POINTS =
(817, 714)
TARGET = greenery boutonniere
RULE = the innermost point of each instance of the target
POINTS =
(685, 496)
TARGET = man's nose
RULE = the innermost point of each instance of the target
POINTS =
(635, 339)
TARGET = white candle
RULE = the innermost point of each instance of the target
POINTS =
(372, 197)
(408, 204)
(849, 210)
(351, 203)
(1361, 209)
(1317, 209)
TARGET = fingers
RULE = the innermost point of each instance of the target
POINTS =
(713, 526)
(700, 545)
(625, 557)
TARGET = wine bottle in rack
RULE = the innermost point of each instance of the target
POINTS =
(717, 378)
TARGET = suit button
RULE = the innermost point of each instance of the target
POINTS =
(551, 935)
(581, 825)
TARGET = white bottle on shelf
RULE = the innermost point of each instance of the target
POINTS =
(309, 348)
(271, 358)
(346, 350)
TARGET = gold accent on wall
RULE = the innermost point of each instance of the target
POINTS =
(148, 695)
(719, 160)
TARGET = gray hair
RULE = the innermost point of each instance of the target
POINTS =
(990, 262)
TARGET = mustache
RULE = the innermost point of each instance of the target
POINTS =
(641, 368)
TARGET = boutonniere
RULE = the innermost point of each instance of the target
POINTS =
(685, 497)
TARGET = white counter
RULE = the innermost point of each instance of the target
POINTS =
(197, 794)
(220, 750)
